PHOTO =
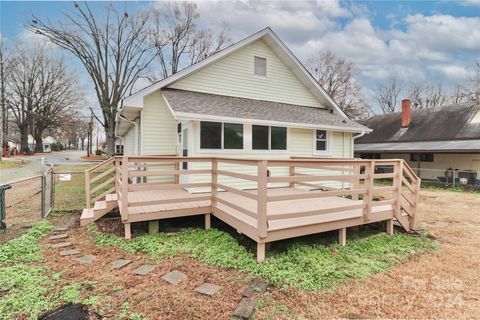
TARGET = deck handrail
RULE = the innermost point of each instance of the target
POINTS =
(99, 182)
(350, 178)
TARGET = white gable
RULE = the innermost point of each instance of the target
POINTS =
(234, 75)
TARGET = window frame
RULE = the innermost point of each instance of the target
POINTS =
(328, 139)
(270, 139)
(422, 156)
(222, 138)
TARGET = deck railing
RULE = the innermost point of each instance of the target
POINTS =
(355, 179)
(99, 181)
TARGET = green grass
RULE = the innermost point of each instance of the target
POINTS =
(25, 288)
(308, 263)
(25, 248)
(8, 164)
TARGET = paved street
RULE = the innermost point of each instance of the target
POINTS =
(64, 158)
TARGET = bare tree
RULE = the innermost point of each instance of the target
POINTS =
(473, 91)
(40, 93)
(458, 95)
(336, 76)
(112, 49)
(60, 95)
(388, 95)
(425, 96)
(179, 41)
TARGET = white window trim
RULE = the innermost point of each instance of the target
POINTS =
(328, 149)
(247, 142)
(269, 150)
(204, 150)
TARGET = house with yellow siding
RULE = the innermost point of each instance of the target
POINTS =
(253, 99)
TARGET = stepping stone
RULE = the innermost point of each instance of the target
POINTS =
(60, 229)
(61, 245)
(174, 277)
(245, 308)
(257, 286)
(59, 236)
(120, 263)
(208, 289)
(69, 252)
(144, 270)
(86, 259)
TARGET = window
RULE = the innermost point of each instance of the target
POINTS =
(179, 132)
(321, 143)
(269, 138)
(421, 157)
(371, 155)
(260, 66)
(232, 136)
(211, 136)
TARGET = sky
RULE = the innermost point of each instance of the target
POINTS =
(420, 41)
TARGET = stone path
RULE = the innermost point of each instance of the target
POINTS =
(208, 289)
(144, 270)
(61, 245)
(174, 277)
(120, 263)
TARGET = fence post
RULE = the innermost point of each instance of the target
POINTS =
(356, 181)
(52, 188)
(125, 180)
(42, 187)
(397, 183)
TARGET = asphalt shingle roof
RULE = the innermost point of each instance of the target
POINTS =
(235, 107)
(451, 122)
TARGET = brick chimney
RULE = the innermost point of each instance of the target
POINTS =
(406, 118)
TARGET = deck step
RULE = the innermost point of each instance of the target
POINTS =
(111, 197)
(88, 216)
(100, 205)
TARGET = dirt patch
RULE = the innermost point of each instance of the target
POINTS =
(149, 295)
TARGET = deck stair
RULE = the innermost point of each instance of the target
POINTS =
(101, 208)
(100, 189)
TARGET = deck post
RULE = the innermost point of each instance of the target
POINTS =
(117, 175)
(87, 188)
(368, 196)
(125, 179)
(390, 226)
(260, 252)
(128, 231)
(342, 236)
(214, 192)
(177, 175)
(153, 226)
(262, 199)
(397, 183)
(292, 174)
(356, 182)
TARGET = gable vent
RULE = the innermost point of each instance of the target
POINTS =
(260, 66)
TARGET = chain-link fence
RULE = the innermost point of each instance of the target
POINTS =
(468, 180)
(27, 200)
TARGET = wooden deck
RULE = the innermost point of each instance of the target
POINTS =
(325, 199)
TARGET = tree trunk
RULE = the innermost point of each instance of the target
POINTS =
(110, 132)
(38, 142)
(24, 139)
(83, 143)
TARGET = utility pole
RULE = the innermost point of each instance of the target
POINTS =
(89, 136)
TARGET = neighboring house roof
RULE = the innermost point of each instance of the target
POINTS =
(204, 106)
(450, 128)
(135, 101)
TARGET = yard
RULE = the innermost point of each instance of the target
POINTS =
(374, 276)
